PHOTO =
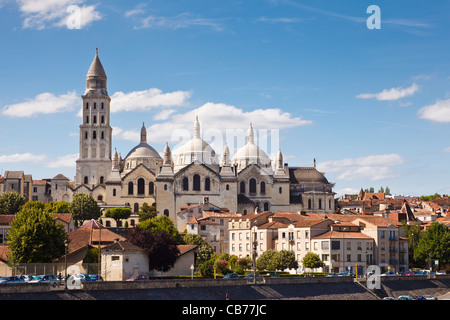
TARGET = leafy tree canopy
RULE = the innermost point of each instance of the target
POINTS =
(312, 260)
(163, 223)
(160, 246)
(10, 202)
(147, 212)
(434, 243)
(118, 214)
(35, 236)
(84, 207)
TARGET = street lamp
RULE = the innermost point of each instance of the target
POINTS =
(66, 245)
(255, 245)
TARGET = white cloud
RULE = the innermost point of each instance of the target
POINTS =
(279, 20)
(130, 135)
(446, 149)
(22, 157)
(67, 160)
(44, 103)
(164, 114)
(374, 167)
(438, 112)
(147, 99)
(41, 14)
(220, 122)
(139, 9)
(391, 94)
(181, 21)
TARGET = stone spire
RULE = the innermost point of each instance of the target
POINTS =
(167, 155)
(167, 169)
(250, 134)
(96, 68)
(196, 128)
(143, 134)
(279, 161)
(226, 155)
(115, 160)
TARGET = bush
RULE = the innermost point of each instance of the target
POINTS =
(207, 268)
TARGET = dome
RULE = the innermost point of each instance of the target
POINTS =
(142, 153)
(251, 153)
(142, 150)
(195, 150)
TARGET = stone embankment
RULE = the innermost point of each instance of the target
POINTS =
(334, 288)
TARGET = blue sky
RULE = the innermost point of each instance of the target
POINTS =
(371, 105)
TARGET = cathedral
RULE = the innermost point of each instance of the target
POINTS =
(190, 175)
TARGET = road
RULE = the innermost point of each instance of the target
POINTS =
(444, 296)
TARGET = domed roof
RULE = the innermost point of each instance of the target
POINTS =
(96, 68)
(251, 153)
(143, 150)
(195, 149)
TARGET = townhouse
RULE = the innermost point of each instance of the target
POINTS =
(343, 242)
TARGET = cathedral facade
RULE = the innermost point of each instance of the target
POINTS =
(192, 174)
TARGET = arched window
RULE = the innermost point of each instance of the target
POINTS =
(86, 180)
(166, 212)
(100, 198)
(242, 187)
(207, 184)
(114, 192)
(227, 187)
(263, 188)
(94, 135)
(87, 105)
(85, 135)
(141, 186)
(329, 204)
(151, 188)
(280, 190)
(130, 187)
(252, 186)
(309, 204)
(87, 119)
(95, 105)
(102, 105)
(102, 180)
(320, 203)
(95, 119)
(103, 118)
(196, 186)
(165, 187)
(103, 135)
(136, 208)
(185, 184)
(266, 206)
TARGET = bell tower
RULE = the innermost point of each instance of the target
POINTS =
(94, 162)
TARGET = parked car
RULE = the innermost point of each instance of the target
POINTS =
(137, 278)
(388, 298)
(80, 276)
(404, 298)
(332, 274)
(420, 273)
(388, 274)
(95, 277)
(410, 273)
(429, 297)
(428, 272)
(50, 278)
(26, 277)
(11, 279)
(250, 275)
(441, 273)
(419, 298)
(231, 276)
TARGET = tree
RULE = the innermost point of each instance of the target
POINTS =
(430, 197)
(84, 207)
(160, 246)
(267, 261)
(434, 244)
(285, 259)
(413, 233)
(387, 190)
(57, 207)
(147, 212)
(35, 236)
(381, 190)
(312, 260)
(10, 202)
(162, 223)
(207, 268)
(118, 214)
